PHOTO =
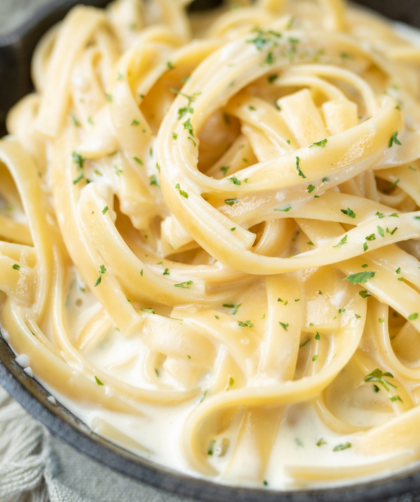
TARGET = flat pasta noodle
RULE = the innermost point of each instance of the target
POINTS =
(210, 234)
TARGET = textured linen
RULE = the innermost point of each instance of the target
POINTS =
(36, 467)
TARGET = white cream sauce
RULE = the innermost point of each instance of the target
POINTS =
(156, 435)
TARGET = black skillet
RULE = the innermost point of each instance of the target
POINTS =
(15, 54)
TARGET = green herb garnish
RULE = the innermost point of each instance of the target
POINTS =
(321, 143)
(377, 376)
(341, 447)
(348, 212)
(184, 285)
(394, 139)
(343, 241)
(360, 277)
(299, 170)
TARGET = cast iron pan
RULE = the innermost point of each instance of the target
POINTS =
(15, 53)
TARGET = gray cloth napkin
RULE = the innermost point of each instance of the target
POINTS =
(36, 467)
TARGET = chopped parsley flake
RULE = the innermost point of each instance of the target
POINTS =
(394, 139)
(139, 161)
(204, 395)
(79, 178)
(261, 40)
(211, 447)
(181, 192)
(364, 294)
(360, 277)
(78, 159)
(341, 447)
(102, 270)
(154, 180)
(413, 317)
(246, 324)
(314, 358)
(284, 325)
(224, 169)
(187, 125)
(310, 188)
(105, 210)
(380, 231)
(184, 285)
(230, 202)
(236, 308)
(98, 381)
(76, 123)
(286, 209)
(231, 381)
(299, 170)
(321, 143)
(377, 376)
(149, 311)
(269, 59)
(343, 241)
(15, 266)
(348, 212)
(395, 398)
(235, 180)
(166, 272)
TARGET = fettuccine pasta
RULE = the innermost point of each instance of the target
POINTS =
(210, 236)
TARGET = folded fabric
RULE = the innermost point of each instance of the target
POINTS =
(36, 467)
